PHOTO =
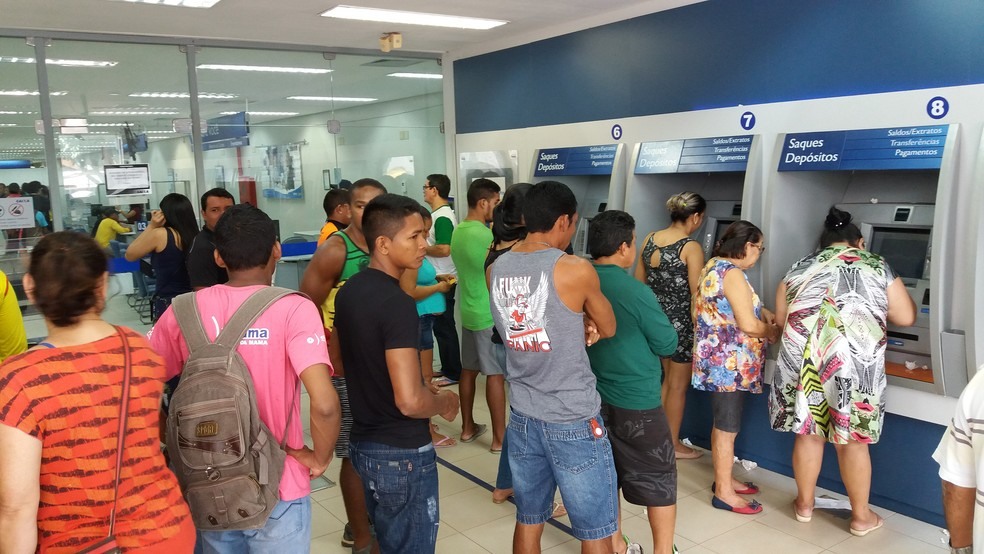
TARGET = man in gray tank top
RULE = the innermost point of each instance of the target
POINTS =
(547, 305)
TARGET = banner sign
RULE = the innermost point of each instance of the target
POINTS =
(890, 148)
(703, 155)
(581, 160)
(17, 212)
(226, 131)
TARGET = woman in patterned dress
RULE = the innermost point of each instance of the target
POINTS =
(829, 384)
(59, 418)
(670, 263)
(731, 329)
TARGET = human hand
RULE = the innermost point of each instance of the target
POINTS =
(444, 277)
(307, 458)
(591, 334)
(443, 286)
(451, 404)
(768, 317)
(157, 219)
(775, 332)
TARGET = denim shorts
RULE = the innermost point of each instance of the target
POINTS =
(287, 530)
(400, 485)
(544, 456)
(426, 339)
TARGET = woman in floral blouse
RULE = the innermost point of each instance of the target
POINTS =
(731, 329)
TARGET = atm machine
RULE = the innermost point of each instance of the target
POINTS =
(715, 168)
(897, 183)
(596, 176)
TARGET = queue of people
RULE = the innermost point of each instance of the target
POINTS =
(598, 365)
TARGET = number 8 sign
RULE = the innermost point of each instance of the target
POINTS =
(938, 107)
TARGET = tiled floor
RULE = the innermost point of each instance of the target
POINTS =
(471, 523)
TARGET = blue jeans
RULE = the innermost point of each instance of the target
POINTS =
(400, 485)
(544, 456)
(287, 530)
(503, 479)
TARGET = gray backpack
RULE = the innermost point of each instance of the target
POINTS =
(226, 460)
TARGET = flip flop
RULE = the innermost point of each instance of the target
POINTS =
(480, 429)
(444, 382)
(750, 488)
(863, 532)
(444, 442)
(800, 517)
(495, 450)
(753, 507)
(558, 510)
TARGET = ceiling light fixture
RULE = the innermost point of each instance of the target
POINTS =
(29, 93)
(136, 112)
(331, 98)
(177, 3)
(262, 113)
(263, 68)
(412, 18)
(64, 63)
(8, 124)
(206, 95)
(417, 75)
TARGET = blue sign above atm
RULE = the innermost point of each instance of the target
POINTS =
(891, 148)
(581, 160)
(702, 155)
(226, 131)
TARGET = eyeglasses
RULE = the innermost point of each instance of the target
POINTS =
(761, 247)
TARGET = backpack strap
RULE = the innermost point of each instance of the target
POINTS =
(185, 307)
(248, 312)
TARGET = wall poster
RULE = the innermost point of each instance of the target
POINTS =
(281, 173)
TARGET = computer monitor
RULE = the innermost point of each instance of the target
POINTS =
(905, 250)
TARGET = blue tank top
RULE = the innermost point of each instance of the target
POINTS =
(550, 376)
(170, 269)
(435, 303)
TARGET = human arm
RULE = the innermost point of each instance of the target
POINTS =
(325, 420)
(901, 308)
(153, 239)
(20, 490)
(655, 326)
(335, 353)
(323, 270)
(408, 282)
(580, 290)
(958, 509)
(782, 308)
(443, 228)
(641, 264)
(739, 295)
(119, 228)
(693, 256)
(413, 397)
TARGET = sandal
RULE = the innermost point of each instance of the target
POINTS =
(558, 510)
(445, 442)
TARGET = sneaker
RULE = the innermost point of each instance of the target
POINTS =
(631, 547)
(348, 539)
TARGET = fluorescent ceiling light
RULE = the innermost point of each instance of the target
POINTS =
(8, 124)
(177, 3)
(5, 112)
(29, 93)
(160, 132)
(263, 68)
(331, 98)
(417, 75)
(136, 112)
(64, 63)
(208, 95)
(109, 124)
(261, 113)
(412, 18)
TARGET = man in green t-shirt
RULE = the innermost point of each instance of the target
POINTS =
(469, 247)
(628, 371)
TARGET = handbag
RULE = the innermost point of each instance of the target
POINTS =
(108, 545)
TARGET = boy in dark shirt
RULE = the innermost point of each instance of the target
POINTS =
(375, 333)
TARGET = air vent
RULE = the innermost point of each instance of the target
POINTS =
(391, 62)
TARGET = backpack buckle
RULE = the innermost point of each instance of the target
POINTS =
(212, 474)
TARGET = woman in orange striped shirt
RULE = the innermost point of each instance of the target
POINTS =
(59, 410)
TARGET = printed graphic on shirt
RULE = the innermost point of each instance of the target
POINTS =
(522, 312)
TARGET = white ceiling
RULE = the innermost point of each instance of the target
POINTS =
(288, 23)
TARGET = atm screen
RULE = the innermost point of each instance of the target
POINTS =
(904, 249)
(722, 226)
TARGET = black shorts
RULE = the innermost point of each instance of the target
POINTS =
(727, 408)
(645, 460)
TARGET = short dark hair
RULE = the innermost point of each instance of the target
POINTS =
(735, 237)
(507, 218)
(608, 231)
(425, 213)
(441, 184)
(335, 198)
(66, 268)
(13, 188)
(31, 187)
(545, 203)
(385, 215)
(482, 189)
(217, 193)
(244, 237)
(839, 228)
(365, 182)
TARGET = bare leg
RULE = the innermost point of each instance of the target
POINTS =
(855, 469)
(723, 456)
(600, 546)
(674, 393)
(466, 390)
(353, 495)
(495, 395)
(807, 460)
(662, 520)
(618, 545)
(526, 538)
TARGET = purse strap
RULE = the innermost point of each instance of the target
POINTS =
(121, 431)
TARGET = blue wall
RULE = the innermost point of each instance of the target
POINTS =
(904, 475)
(723, 53)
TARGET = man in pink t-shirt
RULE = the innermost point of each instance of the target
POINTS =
(284, 347)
